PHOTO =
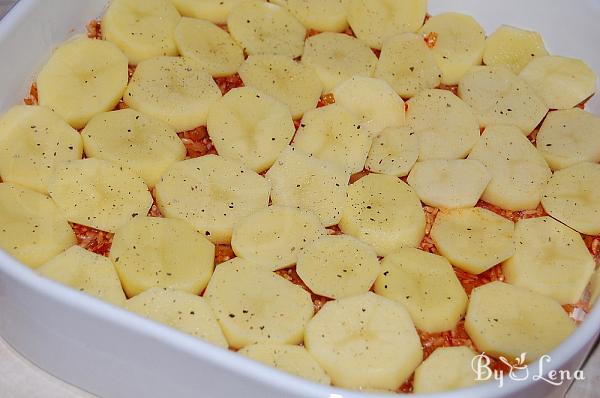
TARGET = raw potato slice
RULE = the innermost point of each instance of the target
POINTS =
(445, 125)
(459, 44)
(176, 90)
(474, 239)
(183, 311)
(32, 230)
(250, 127)
(83, 77)
(319, 15)
(513, 47)
(162, 252)
(373, 21)
(384, 212)
(265, 28)
(568, 137)
(506, 320)
(595, 288)
(449, 184)
(446, 369)
(33, 139)
(338, 266)
(571, 197)
(550, 259)
(274, 237)
(209, 45)
(99, 194)
(519, 172)
(426, 285)
(291, 82)
(254, 305)
(87, 272)
(310, 184)
(366, 332)
(142, 29)
(145, 145)
(498, 96)
(288, 358)
(408, 65)
(337, 57)
(212, 10)
(211, 193)
(394, 152)
(560, 82)
(373, 101)
(333, 134)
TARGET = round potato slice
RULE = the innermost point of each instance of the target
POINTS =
(393, 152)
(446, 369)
(513, 47)
(319, 15)
(215, 11)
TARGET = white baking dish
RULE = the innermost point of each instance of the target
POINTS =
(112, 353)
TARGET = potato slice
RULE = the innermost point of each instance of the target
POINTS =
(307, 183)
(319, 15)
(211, 193)
(99, 194)
(254, 305)
(426, 285)
(215, 11)
(288, 358)
(266, 28)
(459, 44)
(499, 97)
(33, 140)
(506, 320)
(519, 172)
(408, 65)
(87, 272)
(337, 57)
(474, 239)
(384, 212)
(594, 288)
(445, 125)
(32, 229)
(291, 82)
(83, 77)
(393, 152)
(183, 311)
(449, 184)
(176, 90)
(571, 196)
(550, 259)
(513, 47)
(274, 237)
(351, 335)
(338, 266)
(568, 137)
(250, 127)
(142, 144)
(560, 82)
(446, 369)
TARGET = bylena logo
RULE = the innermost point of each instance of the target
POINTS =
(518, 370)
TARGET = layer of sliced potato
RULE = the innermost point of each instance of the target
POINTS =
(384, 212)
(364, 342)
(550, 259)
(180, 310)
(140, 143)
(394, 152)
(595, 288)
(32, 228)
(513, 47)
(446, 369)
(319, 15)
(211, 193)
(33, 139)
(519, 172)
(250, 127)
(215, 11)
(255, 305)
(506, 320)
(87, 272)
(274, 237)
(82, 78)
(311, 184)
(426, 285)
(99, 194)
(473, 239)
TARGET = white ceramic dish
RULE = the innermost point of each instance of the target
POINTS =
(112, 353)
